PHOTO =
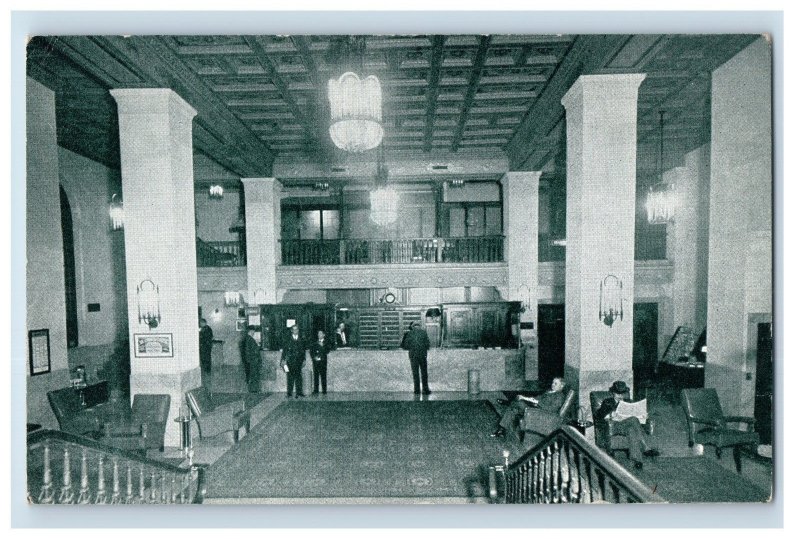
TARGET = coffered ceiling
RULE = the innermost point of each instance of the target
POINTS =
(264, 97)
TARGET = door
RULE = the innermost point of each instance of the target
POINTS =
(645, 347)
(458, 327)
(551, 341)
(763, 403)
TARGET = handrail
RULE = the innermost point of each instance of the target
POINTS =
(565, 468)
(220, 253)
(158, 482)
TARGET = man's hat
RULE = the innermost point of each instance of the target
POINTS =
(619, 387)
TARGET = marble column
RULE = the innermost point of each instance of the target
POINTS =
(740, 222)
(686, 251)
(521, 247)
(262, 213)
(601, 200)
(155, 138)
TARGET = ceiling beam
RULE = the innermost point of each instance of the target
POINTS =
(437, 53)
(474, 81)
(283, 89)
(587, 54)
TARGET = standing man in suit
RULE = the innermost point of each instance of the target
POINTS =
(251, 360)
(416, 342)
(342, 337)
(293, 356)
(319, 362)
(206, 344)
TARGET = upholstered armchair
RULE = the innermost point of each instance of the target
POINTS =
(604, 436)
(215, 418)
(543, 423)
(708, 426)
(71, 414)
(143, 428)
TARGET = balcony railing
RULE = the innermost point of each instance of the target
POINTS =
(407, 251)
(220, 254)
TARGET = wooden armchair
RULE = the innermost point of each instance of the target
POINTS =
(215, 418)
(708, 426)
(543, 423)
(604, 436)
(143, 428)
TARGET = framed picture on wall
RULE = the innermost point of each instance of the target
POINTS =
(241, 324)
(153, 345)
(39, 350)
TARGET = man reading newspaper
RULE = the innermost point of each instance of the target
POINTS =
(626, 420)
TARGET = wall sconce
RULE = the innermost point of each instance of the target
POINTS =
(524, 297)
(116, 213)
(232, 299)
(258, 297)
(216, 192)
(456, 183)
(149, 303)
(321, 186)
(610, 299)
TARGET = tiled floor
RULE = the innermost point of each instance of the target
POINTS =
(669, 437)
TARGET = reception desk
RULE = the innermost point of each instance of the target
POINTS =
(390, 370)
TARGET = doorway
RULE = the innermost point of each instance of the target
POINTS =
(645, 347)
(764, 386)
(551, 342)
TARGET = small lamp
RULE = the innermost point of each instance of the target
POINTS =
(610, 300)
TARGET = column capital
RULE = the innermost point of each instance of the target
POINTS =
(613, 87)
(151, 101)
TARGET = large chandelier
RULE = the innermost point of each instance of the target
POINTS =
(660, 204)
(355, 112)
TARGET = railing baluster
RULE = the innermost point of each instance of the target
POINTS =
(153, 488)
(83, 494)
(141, 498)
(116, 497)
(46, 494)
(164, 495)
(66, 495)
(101, 482)
(129, 484)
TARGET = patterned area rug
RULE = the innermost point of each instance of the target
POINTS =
(308, 449)
(698, 479)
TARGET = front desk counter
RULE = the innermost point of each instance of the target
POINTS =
(389, 370)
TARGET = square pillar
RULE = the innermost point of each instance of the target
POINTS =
(601, 202)
(262, 214)
(155, 132)
(521, 248)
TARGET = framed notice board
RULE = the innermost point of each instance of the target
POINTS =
(39, 351)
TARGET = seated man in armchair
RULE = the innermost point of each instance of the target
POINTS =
(630, 427)
(550, 402)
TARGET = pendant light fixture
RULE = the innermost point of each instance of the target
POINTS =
(661, 196)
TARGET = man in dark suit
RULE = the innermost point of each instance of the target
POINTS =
(548, 406)
(416, 342)
(629, 426)
(293, 356)
(342, 336)
(206, 344)
(319, 362)
(251, 360)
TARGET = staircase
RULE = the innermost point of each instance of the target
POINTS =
(65, 468)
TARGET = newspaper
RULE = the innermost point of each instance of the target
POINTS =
(631, 409)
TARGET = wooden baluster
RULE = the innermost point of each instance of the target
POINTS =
(540, 477)
(563, 469)
(116, 496)
(546, 475)
(83, 493)
(153, 488)
(101, 482)
(574, 477)
(129, 487)
(163, 487)
(141, 485)
(184, 486)
(172, 494)
(46, 494)
(66, 495)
